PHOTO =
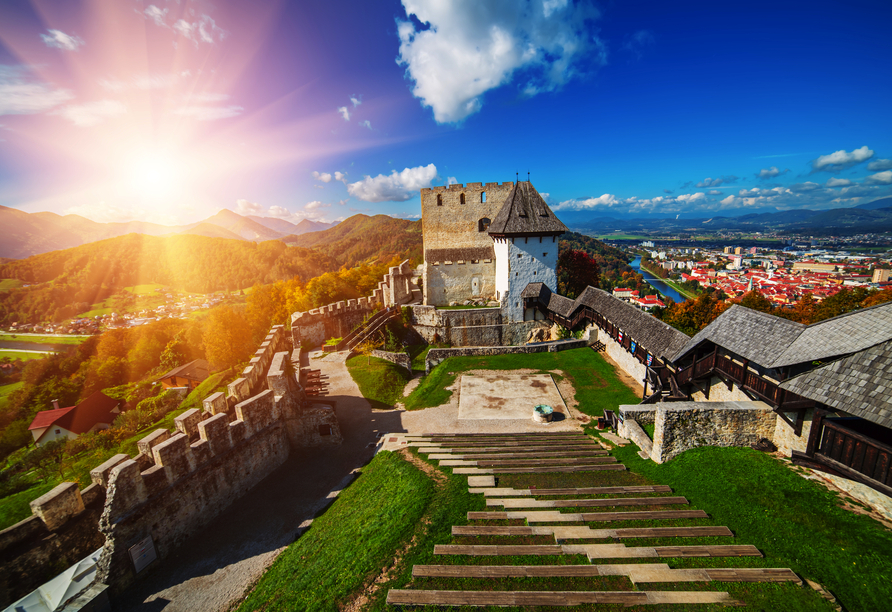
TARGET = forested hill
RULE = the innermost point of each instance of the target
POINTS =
(611, 261)
(72, 279)
(362, 238)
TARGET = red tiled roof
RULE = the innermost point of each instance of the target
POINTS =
(45, 418)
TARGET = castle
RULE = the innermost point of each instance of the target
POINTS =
(487, 242)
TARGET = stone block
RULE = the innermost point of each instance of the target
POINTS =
(63, 502)
(237, 432)
(173, 455)
(144, 461)
(99, 474)
(215, 431)
(215, 403)
(153, 439)
(256, 412)
(201, 452)
(93, 494)
(239, 389)
(155, 480)
(187, 423)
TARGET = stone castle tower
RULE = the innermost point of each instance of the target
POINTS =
(487, 241)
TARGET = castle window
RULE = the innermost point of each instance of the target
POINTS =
(483, 224)
(462, 199)
(439, 199)
(483, 196)
(534, 272)
(519, 256)
(544, 254)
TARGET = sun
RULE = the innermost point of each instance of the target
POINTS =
(155, 175)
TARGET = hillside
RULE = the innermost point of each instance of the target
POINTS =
(362, 238)
(65, 283)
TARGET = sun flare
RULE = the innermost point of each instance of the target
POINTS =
(154, 175)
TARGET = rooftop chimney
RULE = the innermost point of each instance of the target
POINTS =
(56, 404)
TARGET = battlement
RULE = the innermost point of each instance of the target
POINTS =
(468, 187)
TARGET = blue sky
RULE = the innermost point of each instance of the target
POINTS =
(169, 110)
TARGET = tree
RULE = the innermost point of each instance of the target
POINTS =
(369, 346)
(756, 301)
(176, 352)
(227, 337)
(576, 270)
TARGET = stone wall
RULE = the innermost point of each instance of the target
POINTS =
(680, 426)
(401, 359)
(623, 358)
(719, 392)
(448, 281)
(63, 529)
(471, 327)
(436, 356)
(785, 437)
(630, 427)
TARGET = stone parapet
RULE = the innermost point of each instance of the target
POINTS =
(436, 355)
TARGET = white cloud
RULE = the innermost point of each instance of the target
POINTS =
(205, 30)
(452, 181)
(345, 112)
(715, 182)
(366, 124)
(636, 43)
(839, 160)
(156, 81)
(278, 211)
(60, 40)
(806, 186)
(341, 176)
(316, 205)
(156, 14)
(772, 172)
(91, 113)
(248, 208)
(607, 200)
(19, 96)
(325, 177)
(880, 164)
(880, 178)
(472, 47)
(713, 192)
(209, 113)
(396, 187)
(835, 182)
(356, 100)
(691, 198)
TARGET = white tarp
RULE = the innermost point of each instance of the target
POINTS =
(50, 596)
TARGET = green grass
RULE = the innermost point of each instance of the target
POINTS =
(43, 339)
(212, 384)
(350, 543)
(795, 522)
(380, 381)
(8, 284)
(16, 507)
(596, 383)
(24, 356)
(96, 311)
(649, 429)
(418, 353)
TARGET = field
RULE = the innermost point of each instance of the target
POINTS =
(7, 284)
(380, 381)
(36, 339)
(23, 355)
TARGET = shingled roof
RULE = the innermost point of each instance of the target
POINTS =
(774, 342)
(860, 384)
(194, 370)
(98, 408)
(524, 213)
(660, 339)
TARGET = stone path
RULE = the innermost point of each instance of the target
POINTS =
(459, 567)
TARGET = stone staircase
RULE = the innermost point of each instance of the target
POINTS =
(531, 525)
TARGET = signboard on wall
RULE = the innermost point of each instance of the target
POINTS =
(142, 553)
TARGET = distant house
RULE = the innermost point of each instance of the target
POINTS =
(94, 413)
(189, 376)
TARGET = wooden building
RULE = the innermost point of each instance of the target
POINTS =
(186, 376)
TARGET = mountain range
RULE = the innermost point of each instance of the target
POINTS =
(24, 234)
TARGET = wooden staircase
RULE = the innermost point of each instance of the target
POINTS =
(596, 553)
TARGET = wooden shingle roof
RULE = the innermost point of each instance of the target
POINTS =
(525, 213)
(860, 384)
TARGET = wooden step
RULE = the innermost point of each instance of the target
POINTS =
(509, 492)
(636, 572)
(397, 597)
(537, 469)
(532, 461)
(529, 434)
(509, 502)
(586, 517)
(599, 551)
(535, 455)
(427, 449)
(584, 533)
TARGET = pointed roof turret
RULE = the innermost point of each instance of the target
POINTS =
(525, 213)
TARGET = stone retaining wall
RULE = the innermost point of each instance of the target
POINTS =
(400, 359)
(437, 356)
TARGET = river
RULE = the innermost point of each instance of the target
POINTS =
(657, 283)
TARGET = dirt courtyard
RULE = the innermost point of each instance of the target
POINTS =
(507, 396)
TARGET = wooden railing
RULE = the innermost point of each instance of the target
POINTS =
(351, 339)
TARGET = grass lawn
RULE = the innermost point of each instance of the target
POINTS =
(597, 386)
(380, 381)
(350, 543)
(418, 353)
(795, 522)
(6, 391)
(96, 310)
(23, 355)
(8, 284)
(17, 507)
(42, 339)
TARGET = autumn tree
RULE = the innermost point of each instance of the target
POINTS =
(227, 337)
(576, 270)
(756, 301)
(693, 315)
